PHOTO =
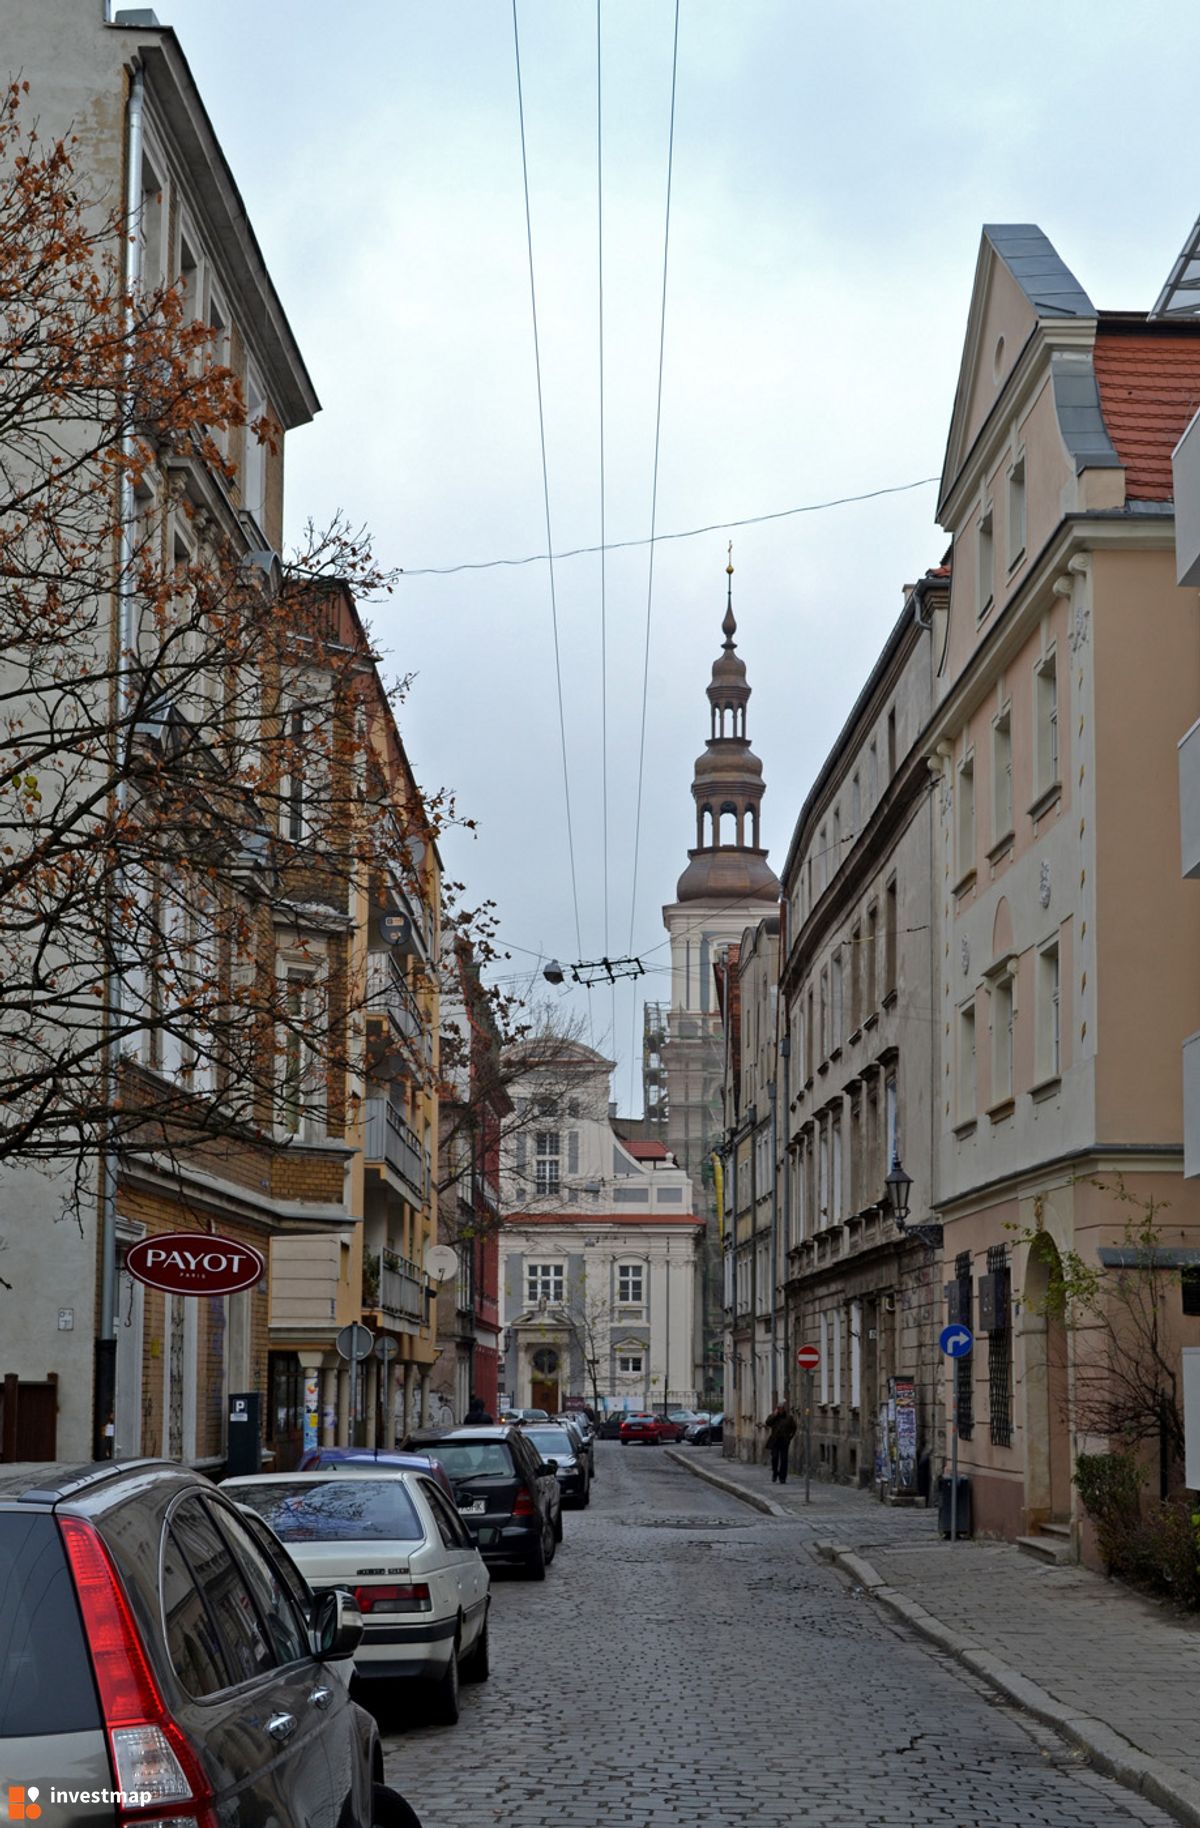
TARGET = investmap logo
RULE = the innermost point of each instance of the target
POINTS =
(24, 1800)
(23, 1804)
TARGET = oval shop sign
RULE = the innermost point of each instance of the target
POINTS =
(195, 1263)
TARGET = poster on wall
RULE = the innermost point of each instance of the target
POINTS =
(312, 1398)
(883, 1436)
(904, 1394)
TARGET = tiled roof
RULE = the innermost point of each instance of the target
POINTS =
(646, 1151)
(1149, 390)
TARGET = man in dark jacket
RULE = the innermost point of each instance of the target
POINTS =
(781, 1429)
(478, 1415)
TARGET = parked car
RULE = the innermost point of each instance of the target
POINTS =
(581, 1429)
(153, 1637)
(610, 1427)
(317, 1458)
(651, 1430)
(424, 1596)
(559, 1442)
(507, 1495)
(686, 1418)
(707, 1433)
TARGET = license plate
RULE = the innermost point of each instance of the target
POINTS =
(474, 1509)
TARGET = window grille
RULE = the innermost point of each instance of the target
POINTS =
(1000, 1348)
(964, 1386)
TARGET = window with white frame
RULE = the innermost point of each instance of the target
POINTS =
(1046, 758)
(728, 1268)
(966, 814)
(547, 1160)
(966, 1063)
(800, 1193)
(824, 993)
(545, 1282)
(293, 794)
(987, 563)
(836, 1209)
(890, 1121)
(1002, 1040)
(823, 1214)
(1049, 1046)
(631, 1284)
(630, 1364)
(856, 1355)
(1002, 787)
(762, 1277)
(298, 1115)
(835, 1352)
(1016, 509)
(823, 1344)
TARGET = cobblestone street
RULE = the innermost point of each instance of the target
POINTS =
(689, 1662)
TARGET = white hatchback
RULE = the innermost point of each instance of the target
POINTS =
(395, 1541)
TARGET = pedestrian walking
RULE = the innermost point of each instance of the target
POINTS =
(477, 1414)
(781, 1430)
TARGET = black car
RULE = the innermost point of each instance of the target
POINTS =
(155, 1639)
(610, 1427)
(708, 1433)
(561, 1443)
(508, 1495)
(578, 1425)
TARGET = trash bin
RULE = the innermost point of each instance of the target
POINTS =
(963, 1518)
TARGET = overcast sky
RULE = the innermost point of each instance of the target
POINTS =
(833, 166)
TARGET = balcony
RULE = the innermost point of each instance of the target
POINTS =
(389, 1139)
(401, 1288)
(388, 993)
(1189, 801)
(1185, 463)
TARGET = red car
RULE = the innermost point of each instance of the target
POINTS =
(653, 1430)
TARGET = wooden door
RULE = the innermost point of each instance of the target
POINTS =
(545, 1395)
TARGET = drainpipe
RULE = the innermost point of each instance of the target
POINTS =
(751, 1129)
(774, 1284)
(104, 1384)
(785, 1052)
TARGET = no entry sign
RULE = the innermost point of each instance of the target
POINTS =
(808, 1357)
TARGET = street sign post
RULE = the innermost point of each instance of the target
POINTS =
(808, 1357)
(386, 1351)
(956, 1341)
(354, 1343)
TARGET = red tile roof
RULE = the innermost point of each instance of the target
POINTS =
(1149, 389)
(646, 1151)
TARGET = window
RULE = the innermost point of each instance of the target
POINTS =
(630, 1284)
(1016, 510)
(800, 1206)
(856, 1355)
(836, 1355)
(630, 1364)
(966, 1063)
(296, 1087)
(254, 463)
(823, 1217)
(1048, 1030)
(452, 1532)
(872, 777)
(193, 1642)
(835, 862)
(1002, 791)
(287, 1630)
(966, 815)
(824, 988)
(822, 858)
(962, 1299)
(230, 1628)
(823, 1343)
(986, 562)
(872, 998)
(293, 811)
(856, 971)
(544, 1282)
(1046, 760)
(836, 1210)
(547, 1158)
(890, 938)
(890, 1122)
(839, 1007)
(856, 805)
(1002, 1040)
(999, 1347)
(891, 742)
(808, 1039)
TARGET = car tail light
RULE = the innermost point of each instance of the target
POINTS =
(393, 1599)
(151, 1758)
(524, 1507)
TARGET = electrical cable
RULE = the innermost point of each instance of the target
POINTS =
(686, 533)
(662, 338)
(537, 360)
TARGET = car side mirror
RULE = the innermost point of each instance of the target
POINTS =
(548, 1466)
(337, 1625)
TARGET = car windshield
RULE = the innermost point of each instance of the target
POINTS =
(472, 1459)
(552, 1442)
(358, 1509)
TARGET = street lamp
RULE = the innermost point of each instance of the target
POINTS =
(898, 1189)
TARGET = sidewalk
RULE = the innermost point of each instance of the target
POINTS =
(1117, 1674)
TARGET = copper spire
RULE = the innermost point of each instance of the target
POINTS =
(729, 626)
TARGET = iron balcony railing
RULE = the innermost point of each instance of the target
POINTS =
(388, 992)
(401, 1287)
(389, 1139)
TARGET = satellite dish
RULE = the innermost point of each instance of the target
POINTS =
(441, 1262)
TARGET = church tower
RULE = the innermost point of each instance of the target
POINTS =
(728, 885)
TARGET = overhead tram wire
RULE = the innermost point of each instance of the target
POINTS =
(537, 362)
(684, 533)
(662, 339)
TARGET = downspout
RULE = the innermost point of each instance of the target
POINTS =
(752, 1123)
(774, 1282)
(785, 1053)
(104, 1387)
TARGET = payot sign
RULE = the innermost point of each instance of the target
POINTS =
(195, 1263)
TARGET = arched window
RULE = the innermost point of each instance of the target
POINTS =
(545, 1361)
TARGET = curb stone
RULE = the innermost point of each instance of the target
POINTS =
(1107, 1749)
(734, 1489)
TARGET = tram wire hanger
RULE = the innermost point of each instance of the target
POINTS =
(594, 971)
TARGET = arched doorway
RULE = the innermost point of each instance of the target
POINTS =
(1047, 1422)
(544, 1393)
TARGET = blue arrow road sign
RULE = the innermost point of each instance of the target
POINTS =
(956, 1340)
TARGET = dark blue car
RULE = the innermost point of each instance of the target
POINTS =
(318, 1457)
